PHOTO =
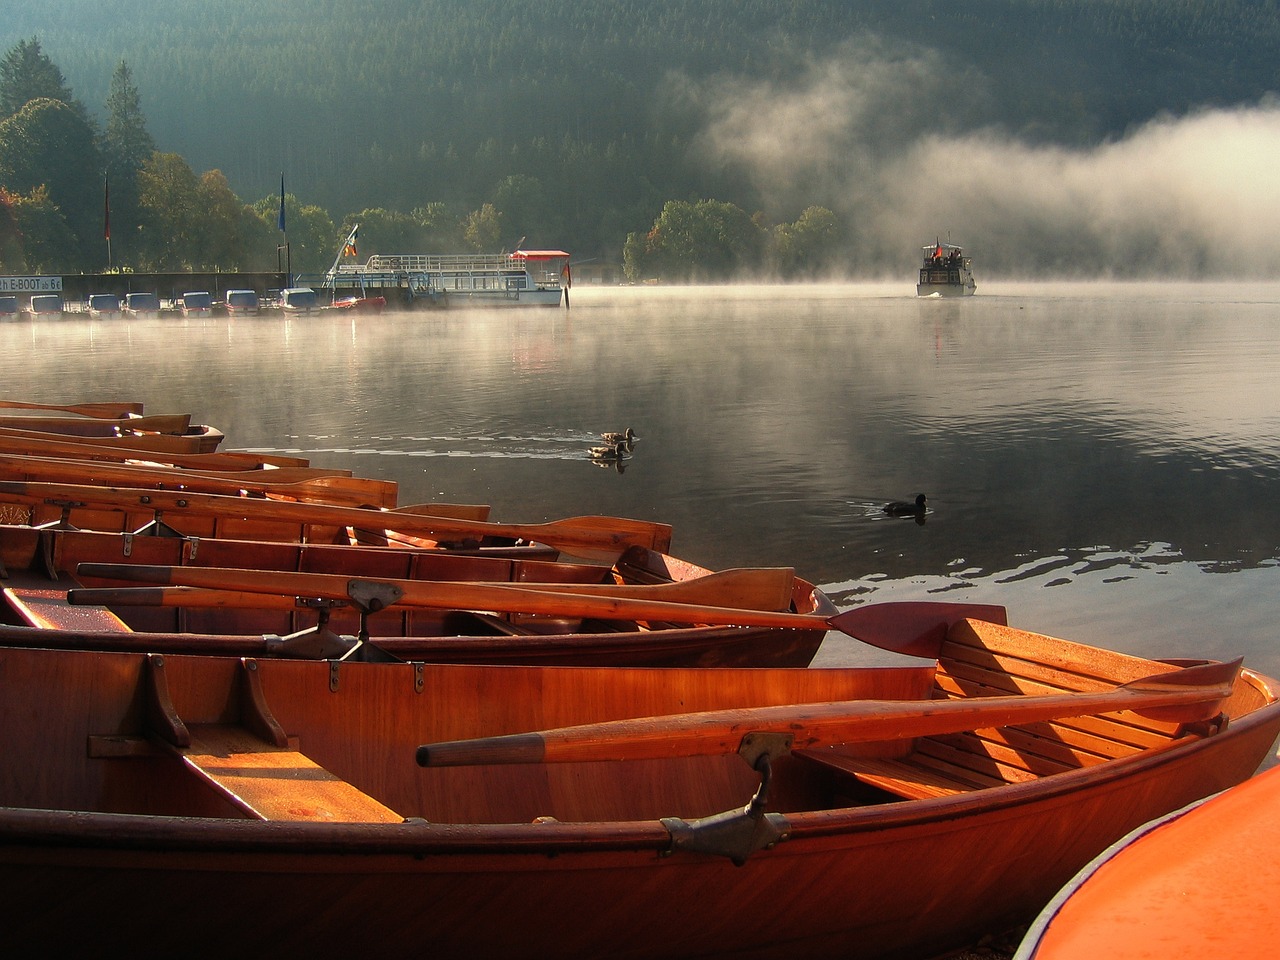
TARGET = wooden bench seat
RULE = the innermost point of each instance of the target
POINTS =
(982, 659)
(276, 783)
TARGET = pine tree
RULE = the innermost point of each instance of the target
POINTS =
(126, 147)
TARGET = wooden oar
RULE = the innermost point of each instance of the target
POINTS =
(36, 443)
(590, 537)
(310, 484)
(567, 600)
(763, 588)
(105, 411)
(1186, 695)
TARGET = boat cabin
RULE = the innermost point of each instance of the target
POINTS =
(242, 302)
(196, 303)
(945, 272)
(8, 308)
(299, 300)
(46, 305)
(104, 305)
(141, 305)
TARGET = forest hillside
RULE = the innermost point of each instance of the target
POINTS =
(1044, 134)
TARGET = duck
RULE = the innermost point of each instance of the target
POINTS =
(615, 451)
(628, 437)
(901, 508)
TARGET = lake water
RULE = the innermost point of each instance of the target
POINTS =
(1103, 459)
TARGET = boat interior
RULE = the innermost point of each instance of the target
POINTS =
(329, 741)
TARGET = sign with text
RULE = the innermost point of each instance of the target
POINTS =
(30, 284)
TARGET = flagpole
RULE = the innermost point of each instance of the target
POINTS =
(280, 222)
(106, 215)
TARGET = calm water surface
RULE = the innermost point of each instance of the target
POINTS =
(1101, 458)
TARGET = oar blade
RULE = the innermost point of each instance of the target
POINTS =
(916, 628)
(1215, 681)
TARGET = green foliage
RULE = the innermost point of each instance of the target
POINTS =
(44, 231)
(808, 247)
(26, 74)
(577, 122)
(707, 240)
(11, 252)
(47, 143)
(483, 231)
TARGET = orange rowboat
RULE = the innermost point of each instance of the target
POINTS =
(1158, 892)
(280, 799)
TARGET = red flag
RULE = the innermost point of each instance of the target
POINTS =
(106, 208)
(566, 275)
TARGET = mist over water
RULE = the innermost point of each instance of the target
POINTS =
(892, 138)
(1101, 458)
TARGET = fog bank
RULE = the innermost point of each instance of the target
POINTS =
(896, 142)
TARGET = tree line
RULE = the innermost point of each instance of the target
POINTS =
(155, 214)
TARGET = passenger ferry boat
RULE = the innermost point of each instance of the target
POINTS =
(945, 272)
(522, 278)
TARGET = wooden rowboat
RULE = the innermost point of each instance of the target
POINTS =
(117, 449)
(870, 812)
(198, 514)
(1155, 892)
(42, 574)
(197, 438)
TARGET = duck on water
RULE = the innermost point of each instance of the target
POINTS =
(903, 508)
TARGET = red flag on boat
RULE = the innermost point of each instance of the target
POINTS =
(566, 275)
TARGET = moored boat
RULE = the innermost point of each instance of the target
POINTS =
(299, 301)
(141, 306)
(243, 303)
(196, 303)
(855, 812)
(56, 583)
(360, 304)
(1146, 896)
(104, 306)
(945, 272)
(46, 306)
(521, 278)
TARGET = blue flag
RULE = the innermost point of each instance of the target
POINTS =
(280, 219)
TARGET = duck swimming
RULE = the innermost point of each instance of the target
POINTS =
(900, 508)
(615, 451)
(628, 437)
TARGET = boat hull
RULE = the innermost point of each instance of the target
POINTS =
(503, 298)
(1132, 901)
(418, 635)
(890, 879)
(946, 289)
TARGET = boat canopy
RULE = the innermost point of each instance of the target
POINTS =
(242, 298)
(539, 254)
(8, 304)
(199, 300)
(104, 301)
(46, 303)
(299, 297)
(142, 301)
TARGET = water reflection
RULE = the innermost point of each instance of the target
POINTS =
(1085, 448)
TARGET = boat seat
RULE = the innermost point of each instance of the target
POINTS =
(903, 778)
(276, 783)
(37, 603)
(985, 659)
